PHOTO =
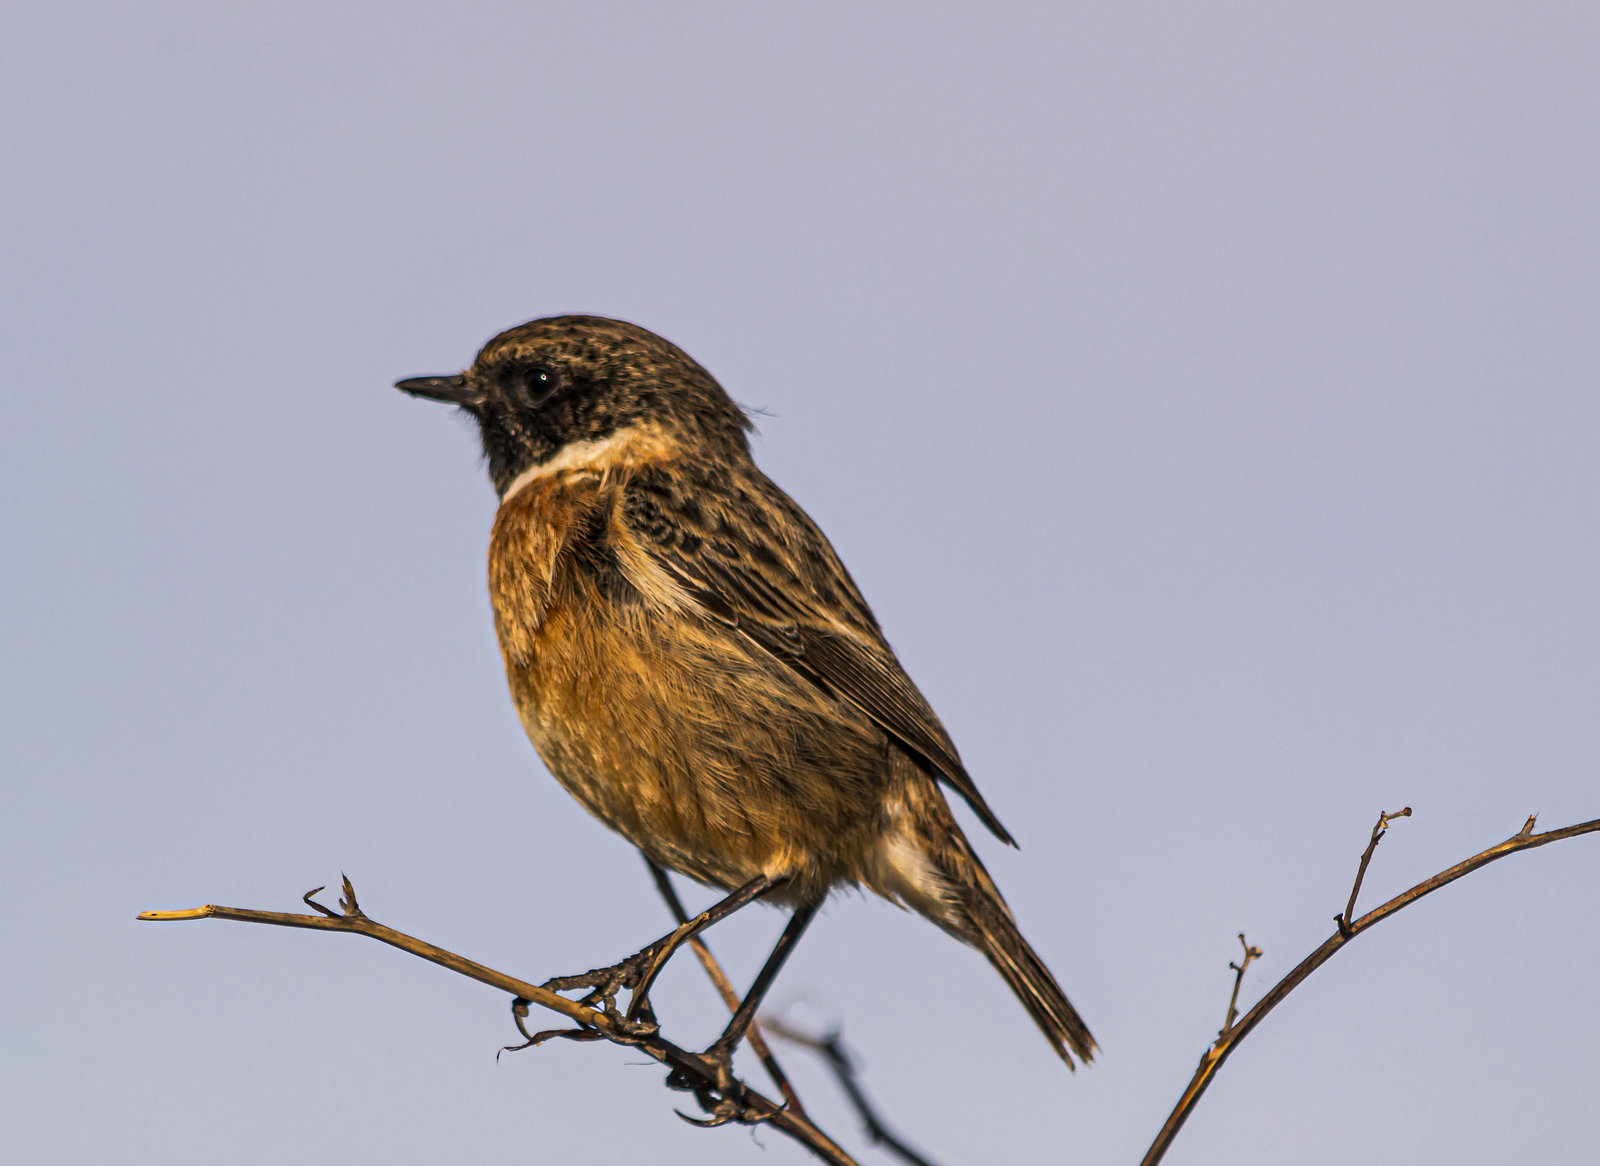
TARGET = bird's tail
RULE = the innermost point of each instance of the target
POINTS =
(994, 932)
(928, 864)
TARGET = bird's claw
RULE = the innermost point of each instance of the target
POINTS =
(720, 1094)
(634, 975)
(519, 1016)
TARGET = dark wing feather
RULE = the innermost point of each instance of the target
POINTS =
(778, 581)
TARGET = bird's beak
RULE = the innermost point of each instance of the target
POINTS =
(454, 390)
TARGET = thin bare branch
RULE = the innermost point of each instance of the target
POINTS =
(1250, 954)
(834, 1054)
(690, 1071)
(1378, 831)
(1218, 1052)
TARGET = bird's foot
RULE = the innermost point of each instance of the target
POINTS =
(718, 1091)
(634, 975)
(720, 1059)
(519, 1016)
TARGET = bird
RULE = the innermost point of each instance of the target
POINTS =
(696, 667)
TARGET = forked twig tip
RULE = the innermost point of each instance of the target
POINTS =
(309, 899)
(347, 900)
(1346, 921)
(1251, 953)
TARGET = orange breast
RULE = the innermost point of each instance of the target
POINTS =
(588, 676)
(709, 755)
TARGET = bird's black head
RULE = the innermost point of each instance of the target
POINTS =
(542, 386)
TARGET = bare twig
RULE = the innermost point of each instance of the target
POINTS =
(724, 987)
(691, 1071)
(837, 1058)
(1378, 832)
(1250, 953)
(1218, 1052)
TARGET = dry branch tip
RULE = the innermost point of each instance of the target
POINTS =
(1344, 921)
(347, 900)
(1251, 953)
(176, 916)
(310, 901)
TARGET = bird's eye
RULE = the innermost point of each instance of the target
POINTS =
(539, 385)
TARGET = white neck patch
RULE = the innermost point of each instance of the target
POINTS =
(577, 455)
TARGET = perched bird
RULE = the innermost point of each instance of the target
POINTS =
(695, 665)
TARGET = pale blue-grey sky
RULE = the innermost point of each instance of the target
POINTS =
(1204, 396)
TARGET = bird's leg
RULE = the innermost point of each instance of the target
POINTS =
(638, 972)
(662, 950)
(720, 1054)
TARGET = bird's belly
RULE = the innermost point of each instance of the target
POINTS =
(713, 758)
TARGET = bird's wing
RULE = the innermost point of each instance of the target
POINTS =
(751, 558)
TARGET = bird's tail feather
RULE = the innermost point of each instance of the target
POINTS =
(928, 864)
(995, 933)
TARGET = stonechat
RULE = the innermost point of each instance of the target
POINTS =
(695, 665)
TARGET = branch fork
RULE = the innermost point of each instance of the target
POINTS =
(1346, 929)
